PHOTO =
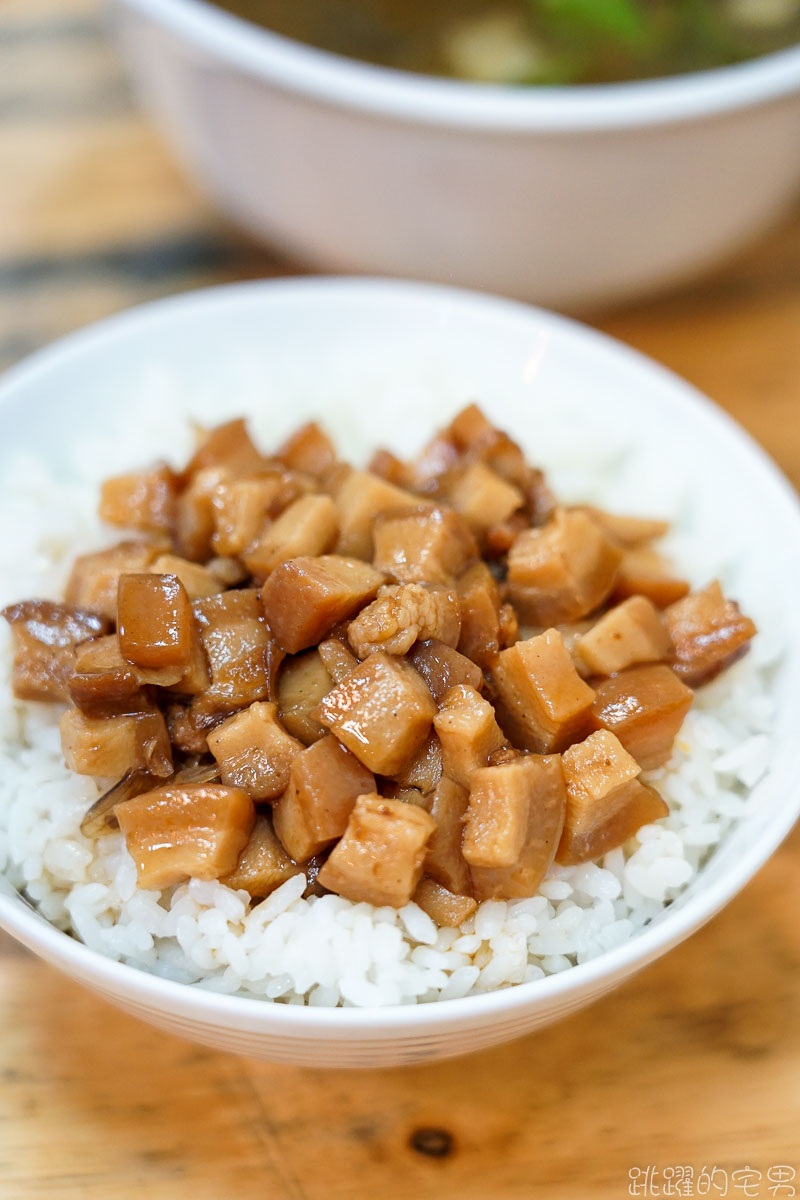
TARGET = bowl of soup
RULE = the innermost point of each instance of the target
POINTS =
(562, 151)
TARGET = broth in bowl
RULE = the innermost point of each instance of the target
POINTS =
(536, 41)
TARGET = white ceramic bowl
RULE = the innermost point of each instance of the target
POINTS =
(563, 196)
(395, 359)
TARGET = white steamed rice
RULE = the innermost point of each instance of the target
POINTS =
(329, 951)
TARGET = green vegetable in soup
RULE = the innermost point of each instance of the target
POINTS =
(536, 41)
(624, 20)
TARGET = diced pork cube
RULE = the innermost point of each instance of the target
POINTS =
(442, 667)
(471, 437)
(644, 707)
(423, 544)
(606, 802)
(263, 864)
(482, 497)
(444, 860)
(631, 632)
(44, 636)
(481, 638)
(242, 508)
(500, 537)
(254, 751)
(709, 633)
(475, 438)
(468, 732)
(309, 449)
(545, 778)
(109, 747)
(103, 683)
(543, 704)
(94, 580)
(186, 831)
(471, 429)
(403, 614)
(309, 527)
(194, 516)
(561, 571)
(382, 712)
(389, 467)
(496, 824)
(157, 631)
(425, 769)
(428, 469)
(379, 858)
(305, 597)
(360, 498)
(143, 500)
(595, 768)
(324, 783)
(446, 909)
(642, 805)
(198, 581)
(302, 683)
(242, 654)
(643, 572)
(228, 446)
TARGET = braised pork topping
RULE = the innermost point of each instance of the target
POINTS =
(423, 680)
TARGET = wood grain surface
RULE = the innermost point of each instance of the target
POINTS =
(693, 1064)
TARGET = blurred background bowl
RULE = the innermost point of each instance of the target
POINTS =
(569, 196)
(384, 362)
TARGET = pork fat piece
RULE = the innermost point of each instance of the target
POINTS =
(186, 831)
(382, 712)
(379, 858)
(606, 801)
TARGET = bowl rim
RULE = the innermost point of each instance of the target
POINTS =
(421, 99)
(21, 919)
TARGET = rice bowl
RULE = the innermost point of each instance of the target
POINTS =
(719, 783)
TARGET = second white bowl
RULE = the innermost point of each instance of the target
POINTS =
(567, 196)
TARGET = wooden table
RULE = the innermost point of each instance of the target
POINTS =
(696, 1063)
